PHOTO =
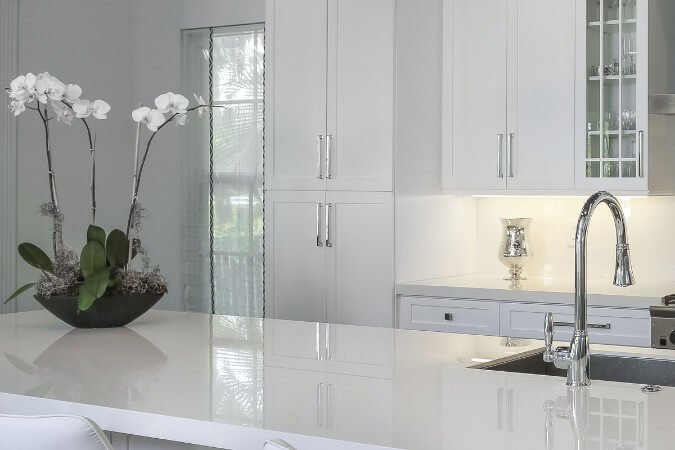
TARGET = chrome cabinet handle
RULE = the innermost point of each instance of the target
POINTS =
(329, 148)
(509, 410)
(329, 415)
(597, 326)
(500, 139)
(319, 404)
(329, 218)
(509, 154)
(640, 155)
(319, 165)
(319, 241)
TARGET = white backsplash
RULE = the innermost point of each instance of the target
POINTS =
(651, 234)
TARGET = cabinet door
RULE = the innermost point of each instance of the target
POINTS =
(295, 55)
(612, 139)
(541, 68)
(295, 257)
(360, 409)
(360, 95)
(360, 258)
(294, 401)
(474, 94)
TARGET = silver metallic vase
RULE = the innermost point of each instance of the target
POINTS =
(515, 249)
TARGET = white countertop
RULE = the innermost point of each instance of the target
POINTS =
(231, 382)
(642, 295)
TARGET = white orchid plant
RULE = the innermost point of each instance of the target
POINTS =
(105, 264)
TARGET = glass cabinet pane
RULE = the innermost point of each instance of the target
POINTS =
(611, 89)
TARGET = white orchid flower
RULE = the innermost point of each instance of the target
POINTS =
(84, 108)
(17, 107)
(22, 88)
(172, 103)
(203, 106)
(153, 118)
(72, 93)
(181, 119)
(63, 112)
(48, 87)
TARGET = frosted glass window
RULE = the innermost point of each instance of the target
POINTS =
(223, 171)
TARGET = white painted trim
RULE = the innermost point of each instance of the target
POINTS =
(9, 14)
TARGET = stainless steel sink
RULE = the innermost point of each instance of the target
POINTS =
(622, 369)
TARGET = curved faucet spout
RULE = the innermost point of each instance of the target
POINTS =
(623, 273)
(577, 358)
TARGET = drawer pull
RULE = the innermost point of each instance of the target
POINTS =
(448, 317)
(597, 326)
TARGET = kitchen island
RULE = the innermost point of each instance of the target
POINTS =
(235, 383)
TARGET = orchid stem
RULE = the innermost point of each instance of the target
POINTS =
(134, 190)
(52, 181)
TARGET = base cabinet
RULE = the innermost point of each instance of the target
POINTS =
(615, 326)
(330, 257)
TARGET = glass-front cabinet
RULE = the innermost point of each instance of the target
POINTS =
(616, 96)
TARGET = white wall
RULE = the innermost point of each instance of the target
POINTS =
(650, 234)
(124, 52)
(434, 232)
(88, 42)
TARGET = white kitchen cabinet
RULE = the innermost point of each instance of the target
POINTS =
(360, 258)
(329, 257)
(360, 115)
(474, 94)
(620, 146)
(508, 122)
(540, 108)
(329, 97)
(295, 84)
(449, 315)
(295, 257)
(616, 326)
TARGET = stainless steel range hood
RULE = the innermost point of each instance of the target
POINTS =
(663, 104)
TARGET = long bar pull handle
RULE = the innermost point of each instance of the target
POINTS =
(319, 165)
(319, 404)
(329, 156)
(329, 414)
(597, 326)
(509, 154)
(500, 139)
(329, 219)
(319, 357)
(640, 154)
(319, 240)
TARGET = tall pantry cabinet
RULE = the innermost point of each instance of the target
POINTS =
(329, 115)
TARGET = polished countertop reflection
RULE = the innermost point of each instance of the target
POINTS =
(201, 379)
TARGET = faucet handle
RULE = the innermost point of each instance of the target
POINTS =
(548, 337)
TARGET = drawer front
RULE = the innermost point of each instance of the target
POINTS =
(449, 315)
(606, 325)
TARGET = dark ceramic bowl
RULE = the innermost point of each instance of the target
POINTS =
(108, 311)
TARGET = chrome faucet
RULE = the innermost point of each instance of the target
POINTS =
(577, 358)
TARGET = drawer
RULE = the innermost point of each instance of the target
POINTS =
(619, 326)
(449, 315)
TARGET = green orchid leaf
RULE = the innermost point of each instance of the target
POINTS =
(92, 289)
(20, 291)
(117, 248)
(92, 259)
(96, 234)
(34, 256)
